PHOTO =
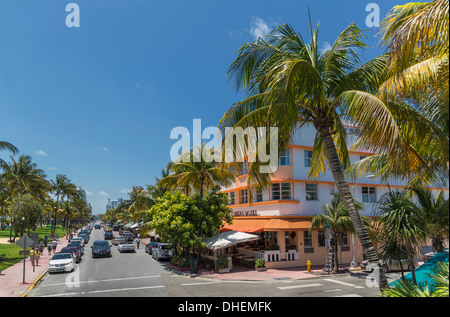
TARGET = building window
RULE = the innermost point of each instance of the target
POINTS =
(232, 197)
(285, 158)
(321, 238)
(308, 158)
(281, 191)
(369, 194)
(332, 190)
(344, 243)
(311, 192)
(308, 242)
(258, 194)
(244, 168)
(244, 196)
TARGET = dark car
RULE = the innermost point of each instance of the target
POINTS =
(76, 244)
(150, 246)
(97, 226)
(109, 235)
(101, 248)
(115, 227)
(84, 236)
(74, 251)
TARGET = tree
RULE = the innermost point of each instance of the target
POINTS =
(61, 187)
(435, 213)
(26, 207)
(201, 174)
(289, 85)
(336, 216)
(24, 177)
(185, 220)
(401, 225)
(8, 147)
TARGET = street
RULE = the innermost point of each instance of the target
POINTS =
(139, 275)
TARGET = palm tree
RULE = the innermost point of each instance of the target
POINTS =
(60, 187)
(202, 175)
(400, 220)
(289, 85)
(8, 147)
(416, 83)
(24, 177)
(336, 216)
(435, 212)
(138, 203)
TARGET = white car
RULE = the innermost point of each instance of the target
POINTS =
(126, 246)
(62, 262)
(391, 266)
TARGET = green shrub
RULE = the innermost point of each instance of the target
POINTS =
(260, 263)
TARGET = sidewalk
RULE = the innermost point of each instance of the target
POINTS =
(11, 279)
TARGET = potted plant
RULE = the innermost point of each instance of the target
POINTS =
(222, 265)
(260, 265)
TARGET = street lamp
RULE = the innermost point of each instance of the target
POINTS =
(23, 220)
(354, 265)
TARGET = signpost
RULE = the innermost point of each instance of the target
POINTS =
(24, 242)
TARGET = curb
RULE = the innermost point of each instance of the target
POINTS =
(34, 284)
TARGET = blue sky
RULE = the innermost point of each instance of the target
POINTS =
(98, 102)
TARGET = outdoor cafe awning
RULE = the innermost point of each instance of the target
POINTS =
(268, 223)
(228, 239)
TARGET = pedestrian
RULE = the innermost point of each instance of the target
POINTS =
(138, 241)
(41, 247)
(49, 248)
(37, 256)
(54, 244)
(32, 257)
(45, 240)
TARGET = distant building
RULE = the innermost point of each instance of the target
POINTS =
(113, 204)
(82, 191)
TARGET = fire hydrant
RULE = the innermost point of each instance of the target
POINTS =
(308, 263)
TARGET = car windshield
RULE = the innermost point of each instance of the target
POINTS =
(165, 246)
(69, 250)
(62, 256)
(101, 244)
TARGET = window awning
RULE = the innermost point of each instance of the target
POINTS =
(266, 223)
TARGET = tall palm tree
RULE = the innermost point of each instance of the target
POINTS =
(60, 187)
(201, 175)
(24, 177)
(138, 203)
(336, 216)
(289, 84)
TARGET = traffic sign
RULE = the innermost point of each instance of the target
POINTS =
(25, 242)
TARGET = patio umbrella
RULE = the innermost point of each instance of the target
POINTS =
(228, 239)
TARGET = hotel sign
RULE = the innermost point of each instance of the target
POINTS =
(248, 213)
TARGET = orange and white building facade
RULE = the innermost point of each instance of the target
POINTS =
(283, 212)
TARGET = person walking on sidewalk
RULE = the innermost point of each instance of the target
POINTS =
(37, 255)
(49, 248)
(54, 244)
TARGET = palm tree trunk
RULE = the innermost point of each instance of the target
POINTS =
(344, 191)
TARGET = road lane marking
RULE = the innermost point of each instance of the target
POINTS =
(100, 281)
(125, 289)
(342, 283)
(349, 295)
(333, 290)
(300, 286)
(200, 283)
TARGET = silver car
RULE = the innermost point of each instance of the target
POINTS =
(161, 251)
(391, 265)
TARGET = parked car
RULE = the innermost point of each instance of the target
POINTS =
(391, 265)
(126, 246)
(62, 262)
(118, 239)
(149, 247)
(161, 251)
(115, 227)
(84, 236)
(109, 235)
(78, 245)
(74, 251)
(101, 248)
(97, 226)
(81, 239)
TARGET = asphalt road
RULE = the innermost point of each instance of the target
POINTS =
(139, 275)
